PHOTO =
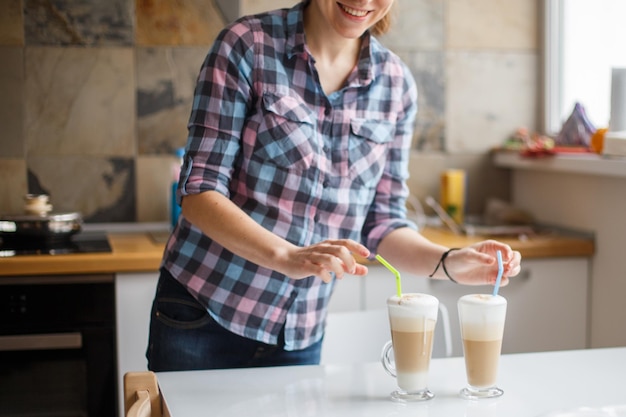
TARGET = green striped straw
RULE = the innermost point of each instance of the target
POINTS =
(394, 271)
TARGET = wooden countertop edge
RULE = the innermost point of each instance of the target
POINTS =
(131, 252)
(138, 252)
(534, 246)
(76, 265)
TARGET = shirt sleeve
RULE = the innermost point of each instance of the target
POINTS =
(221, 101)
(388, 210)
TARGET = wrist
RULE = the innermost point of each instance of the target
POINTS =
(442, 264)
(280, 257)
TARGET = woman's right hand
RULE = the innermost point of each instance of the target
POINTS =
(324, 259)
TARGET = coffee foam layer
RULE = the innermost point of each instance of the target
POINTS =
(482, 316)
(483, 299)
(413, 301)
(413, 312)
(412, 305)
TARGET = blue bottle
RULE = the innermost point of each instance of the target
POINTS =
(174, 207)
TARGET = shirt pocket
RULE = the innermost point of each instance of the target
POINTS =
(367, 149)
(286, 132)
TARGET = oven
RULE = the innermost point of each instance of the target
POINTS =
(57, 346)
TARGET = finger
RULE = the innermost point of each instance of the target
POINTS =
(340, 256)
(513, 267)
(514, 271)
(349, 263)
(360, 270)
(492, 246)
(330, 263)
(359, 249)
(510, 256)
(318, 271)
(352, 246)
(325, 276)
(492, 277)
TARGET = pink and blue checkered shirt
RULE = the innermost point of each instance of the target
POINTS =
(305, 165)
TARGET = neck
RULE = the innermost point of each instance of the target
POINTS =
(324, 42)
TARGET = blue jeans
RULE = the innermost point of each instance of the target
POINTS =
(183, 336)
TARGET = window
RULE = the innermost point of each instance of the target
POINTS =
(584, 40)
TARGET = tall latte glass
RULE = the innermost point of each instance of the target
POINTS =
(482, 318)
(412, 319)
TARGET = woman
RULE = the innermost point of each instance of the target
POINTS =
(296, 161)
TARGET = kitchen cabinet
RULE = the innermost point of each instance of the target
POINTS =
(546, 310)
(593, 187)
(134, 293)
(547, 304)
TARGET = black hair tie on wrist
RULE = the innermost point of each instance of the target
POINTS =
(442, 263)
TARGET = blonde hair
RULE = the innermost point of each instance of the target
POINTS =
(382, 26)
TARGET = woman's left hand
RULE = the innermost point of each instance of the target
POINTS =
(478, 265)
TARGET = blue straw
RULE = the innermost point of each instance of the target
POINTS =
(500, 271)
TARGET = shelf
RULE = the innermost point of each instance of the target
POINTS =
(588, 164)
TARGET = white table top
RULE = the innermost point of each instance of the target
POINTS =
(534, 384)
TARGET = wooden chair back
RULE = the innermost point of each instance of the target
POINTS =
(142, 397)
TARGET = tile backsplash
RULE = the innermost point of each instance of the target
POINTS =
(95, 96)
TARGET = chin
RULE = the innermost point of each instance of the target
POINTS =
(348, 32)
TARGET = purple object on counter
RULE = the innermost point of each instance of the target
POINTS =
(577, 129)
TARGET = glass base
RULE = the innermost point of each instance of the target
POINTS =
(404, 396)
(470, 393)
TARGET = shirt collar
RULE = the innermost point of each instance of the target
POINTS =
(296, 41)
(365, 65)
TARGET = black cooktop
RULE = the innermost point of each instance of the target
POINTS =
(83, 242)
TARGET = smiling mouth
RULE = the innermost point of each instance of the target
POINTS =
(353, 12)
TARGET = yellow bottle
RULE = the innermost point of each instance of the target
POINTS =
(452, 191)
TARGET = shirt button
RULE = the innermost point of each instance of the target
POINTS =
(327, 111)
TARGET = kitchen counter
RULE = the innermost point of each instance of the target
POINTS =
(131, 252)
(548, 384)
(142, 251)
(540, 245)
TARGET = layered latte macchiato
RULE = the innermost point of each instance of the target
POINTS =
(482, 318)
(412, 319)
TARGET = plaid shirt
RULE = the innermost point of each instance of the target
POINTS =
(305, 165)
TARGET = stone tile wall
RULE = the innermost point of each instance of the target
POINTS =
(95, 96)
